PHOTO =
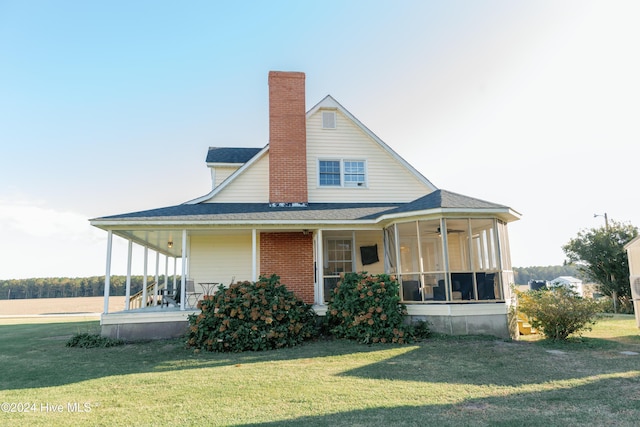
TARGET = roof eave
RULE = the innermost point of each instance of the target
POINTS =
(506, 214)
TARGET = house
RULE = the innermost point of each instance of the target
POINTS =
(569, 282)
(633, 253)
(324, 197)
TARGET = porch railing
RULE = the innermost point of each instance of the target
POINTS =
(135, 300)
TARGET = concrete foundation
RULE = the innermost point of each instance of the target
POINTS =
(495, 325)
(151, 325)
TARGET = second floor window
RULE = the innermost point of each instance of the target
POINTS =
(342, 173)
(330, 173)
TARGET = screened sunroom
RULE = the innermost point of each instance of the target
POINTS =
(449, 260)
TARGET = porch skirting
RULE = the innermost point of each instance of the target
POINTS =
(133, 326)
(451, 319)
(457, 319)
(463, 319)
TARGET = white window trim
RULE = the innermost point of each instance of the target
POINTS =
(365, 184)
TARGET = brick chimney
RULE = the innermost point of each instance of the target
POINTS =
(287, 139)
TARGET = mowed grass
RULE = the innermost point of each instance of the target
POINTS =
(445, 381)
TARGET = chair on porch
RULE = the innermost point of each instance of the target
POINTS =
(173, 298)
(192, 296)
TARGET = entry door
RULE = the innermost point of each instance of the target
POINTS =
(338, 258)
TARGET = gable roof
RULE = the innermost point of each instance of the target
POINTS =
(229, 179)
(231, 155)
(329, 102)
(247, 156)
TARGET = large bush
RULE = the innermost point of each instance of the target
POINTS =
(254, 316)
(558, 312)
(367, 309)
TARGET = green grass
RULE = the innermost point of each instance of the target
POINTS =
(445, 381)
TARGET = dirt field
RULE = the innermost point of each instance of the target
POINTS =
(50, 306)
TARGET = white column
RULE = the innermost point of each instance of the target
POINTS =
(166, 272)
(155, 286)
(143, 304)
(183, 279)
(254, 255)
(127, 295)
(175, 272)
(320, 269)
(107, 275)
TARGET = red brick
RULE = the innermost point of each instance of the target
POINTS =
(287, 138)
(290, 256)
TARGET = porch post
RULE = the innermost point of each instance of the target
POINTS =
(320, 269)
(107, 275)
(183, 279)
(166, 272)
(155, 286)
(175, 272)
(254, 255)
(143, 303)
(127, 294)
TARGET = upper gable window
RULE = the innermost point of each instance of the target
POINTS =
(328, 120)
(342, 173)
(354, 175)
(329, 173)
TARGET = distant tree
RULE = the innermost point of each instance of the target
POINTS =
(599, 253)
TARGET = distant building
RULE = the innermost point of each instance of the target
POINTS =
(569, 282)
(534, 285)
(633, 252)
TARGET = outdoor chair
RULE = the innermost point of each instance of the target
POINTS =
(192, 296)
(173, 298)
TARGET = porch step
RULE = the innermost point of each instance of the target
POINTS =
(524, 327)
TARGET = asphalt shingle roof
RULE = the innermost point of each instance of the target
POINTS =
(312, 212)
(446, 199)
(260, 211)
(231, 154)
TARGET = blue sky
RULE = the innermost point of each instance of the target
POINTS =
(109, 107)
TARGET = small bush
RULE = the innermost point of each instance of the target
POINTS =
(367, 309)
(86, 340)
(558, 312)
(255, 316)
(625, 305)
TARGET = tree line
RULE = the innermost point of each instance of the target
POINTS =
(67, 287)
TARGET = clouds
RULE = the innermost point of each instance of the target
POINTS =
(34, 219)
(39, 241)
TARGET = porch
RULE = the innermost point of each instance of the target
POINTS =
(453, 272)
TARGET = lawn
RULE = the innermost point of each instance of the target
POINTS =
(445, 381)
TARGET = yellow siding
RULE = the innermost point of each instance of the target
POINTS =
(251, 186)
(218, 258)
(634, 258)
(388, 180)
(222, 173)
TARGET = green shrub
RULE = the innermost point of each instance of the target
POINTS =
(260, 315)
(367, 309)
(86, 340)
(558, 312)
(625, 305)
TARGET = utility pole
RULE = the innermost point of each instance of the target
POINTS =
(614, 294)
